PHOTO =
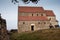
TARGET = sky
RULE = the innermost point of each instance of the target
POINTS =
(9, 11)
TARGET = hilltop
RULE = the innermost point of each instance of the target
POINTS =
(46, 34)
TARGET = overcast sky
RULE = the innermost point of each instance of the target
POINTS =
(9, 11)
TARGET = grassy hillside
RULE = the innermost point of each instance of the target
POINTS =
(47, 34)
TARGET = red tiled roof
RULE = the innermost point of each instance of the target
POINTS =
(49, 13)
(34, 10)
(30, 9)
(32, 18)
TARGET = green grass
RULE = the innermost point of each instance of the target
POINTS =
(47, 34)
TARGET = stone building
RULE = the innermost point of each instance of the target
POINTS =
(3, 29)
(35, 18)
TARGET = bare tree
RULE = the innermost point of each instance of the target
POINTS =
(25, 1)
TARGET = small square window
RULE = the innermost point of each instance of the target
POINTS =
(38, 22)
(41, 14)
(32, 14)
(50, 19)
(37, 14)
(23, 22)
(44, 22)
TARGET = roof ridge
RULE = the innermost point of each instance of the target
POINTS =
(30, 6)
(49, 10)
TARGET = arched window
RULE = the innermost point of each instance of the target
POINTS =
(37, 14)
(44, 22)
(41, 14)
(38, 22)
(32, 14)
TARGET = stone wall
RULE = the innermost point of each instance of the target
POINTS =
(30, 14)
(52, 20)
(3, 29)
(38, 25)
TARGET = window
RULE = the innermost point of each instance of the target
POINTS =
(50, 19)
(32, 14)
(23, 22)
(44, 22)
(41, 14)
(37, 14)
(38, 22)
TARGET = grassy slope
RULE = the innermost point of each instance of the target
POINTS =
(48, 34)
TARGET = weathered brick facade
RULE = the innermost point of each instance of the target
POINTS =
(35, 18)
(3, 29)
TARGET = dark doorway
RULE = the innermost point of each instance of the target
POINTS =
(32, 28)
(51, 26)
